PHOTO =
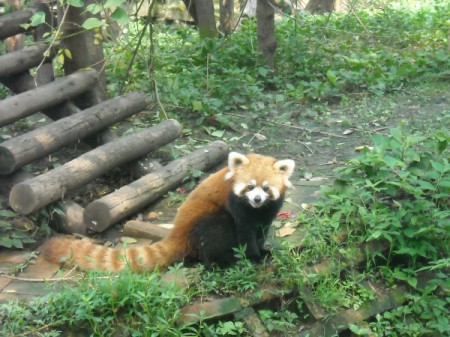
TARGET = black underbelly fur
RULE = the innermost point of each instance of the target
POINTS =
(214, 236)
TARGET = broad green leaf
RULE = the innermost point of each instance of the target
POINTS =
(438, 166)
(76, 3)
(92, 23)
(67, 53)
(5, 225)
(397, 134)
(121, 16)
(37, 19)
(332, 77)
(197, 105)
(6, 242)
(113, 3)
(94, 8)
(218, 133)
(7, 213)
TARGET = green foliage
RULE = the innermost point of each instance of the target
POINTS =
(396, 191)
(281, 321)
(101, 305)
(318, 58)
(243, 276)
(9, 236)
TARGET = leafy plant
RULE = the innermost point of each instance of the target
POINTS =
(101, 305)
(11, 237)
(243, 276)
(282, 321)
(396, 191)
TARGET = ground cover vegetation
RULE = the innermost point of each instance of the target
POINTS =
(395, 192)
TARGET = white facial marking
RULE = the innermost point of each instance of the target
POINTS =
(275, 193)
(238, 188)
(256, 197)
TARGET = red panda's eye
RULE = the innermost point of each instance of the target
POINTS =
(265, 188)
(250, 187)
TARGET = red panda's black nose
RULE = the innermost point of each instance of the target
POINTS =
(257, 199)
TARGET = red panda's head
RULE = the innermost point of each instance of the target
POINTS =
(258, 178)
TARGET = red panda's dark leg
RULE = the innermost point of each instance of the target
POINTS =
(213, 238)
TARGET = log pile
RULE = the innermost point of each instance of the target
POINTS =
(70, 123)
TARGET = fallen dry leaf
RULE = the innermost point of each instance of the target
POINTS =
(128, 240)
(362, 147)
(285, 231)
(152, 215)
(347, 132)
(260, 137)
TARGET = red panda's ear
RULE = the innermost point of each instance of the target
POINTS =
(286, 168)
(235, 160)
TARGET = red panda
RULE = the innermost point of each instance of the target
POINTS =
(233, 207)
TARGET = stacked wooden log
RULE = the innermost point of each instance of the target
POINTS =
(68, 124)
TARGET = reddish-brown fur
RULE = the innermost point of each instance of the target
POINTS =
(209, 196)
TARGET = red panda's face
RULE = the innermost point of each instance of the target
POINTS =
(258, 178)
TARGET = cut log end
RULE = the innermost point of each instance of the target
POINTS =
(22, 199)
(97, 216)
(7, 161)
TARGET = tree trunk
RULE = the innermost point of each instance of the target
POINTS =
(33, 194)
(202, 11)
(266, 31)
(15, 42)
(226, 16)
(16, 107)
(22, 60)
(86, 51)
(21, 150)
(10, 23)
(190, 6)
(106, 211)
(320, 6)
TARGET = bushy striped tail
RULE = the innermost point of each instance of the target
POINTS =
(87, 255)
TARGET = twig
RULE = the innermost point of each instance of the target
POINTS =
(40, 328)
(251, 139)
(306, 129)
(57, 279)
(136, 49)
(361, 23)
(305, 145)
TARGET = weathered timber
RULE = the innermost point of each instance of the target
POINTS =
(51, 94)
(252, 321)
(106, 211)
(69, 219)
(146, 230)
(23, 149)
(10, 24)
(86, 48)
(24, 59)
(33, 194)
(19, 82)
(209, 310)
(333, 324)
